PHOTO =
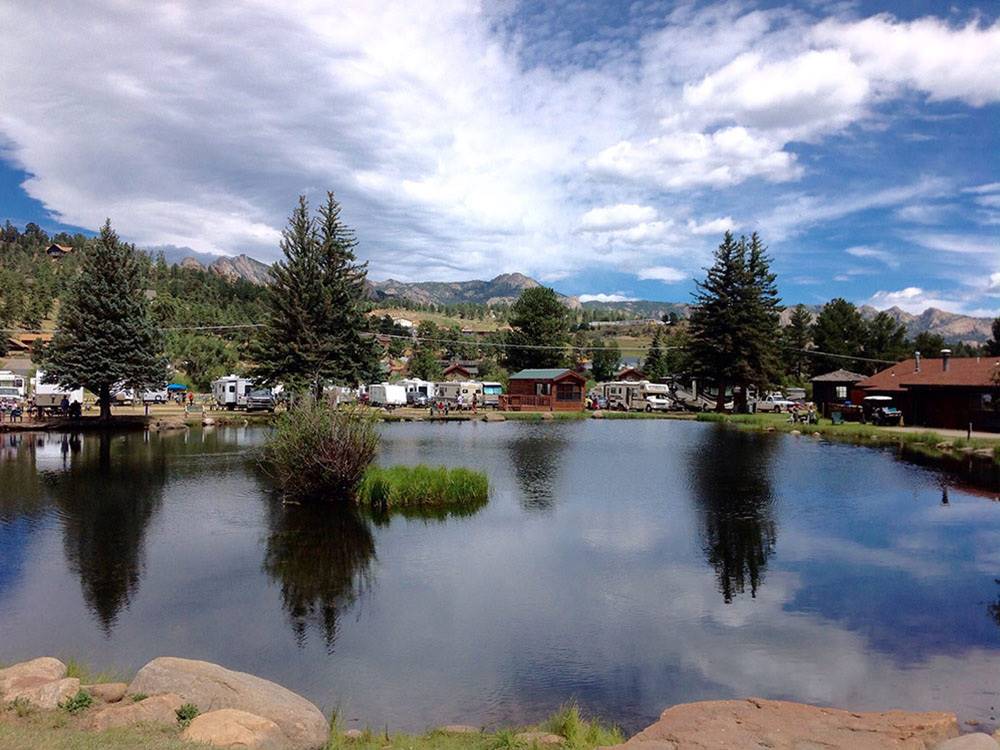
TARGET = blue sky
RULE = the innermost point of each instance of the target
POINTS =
(601, 147)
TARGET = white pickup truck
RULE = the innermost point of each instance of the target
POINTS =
(774, 402)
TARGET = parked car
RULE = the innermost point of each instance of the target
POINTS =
(774, 402)
(658, 403)
(155, 397)
(260, 399)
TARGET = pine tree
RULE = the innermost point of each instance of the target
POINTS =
(106, 337)
(424, 362)
(655, 366)
(315, 326)
(796, 338)
(839, 329)
(993, 345)
(606, 357)
(884, 339)
(540, 324)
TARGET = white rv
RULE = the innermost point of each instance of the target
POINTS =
(388, 395)
(12, 386)
(50, 396)
(638, 396)
(451, 391)
(230, 392)
(491, 393)
(418, 392)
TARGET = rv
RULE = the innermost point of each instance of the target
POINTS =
(230, 392)
(50, 396)
(11, 386)
(387, 395)
(626, 395)
(491, 393)
(452, 390)
(418, 392)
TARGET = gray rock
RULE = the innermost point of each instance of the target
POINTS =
(30, 674)
(977, 741)
(48, 695)
(211, 687)
(235, 729)
(156, 709)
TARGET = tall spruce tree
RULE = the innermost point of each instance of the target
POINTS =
(105, 334)
(734, 323)
(993, 344)
(796, 338)
(839, 329)
(605, 357)
(540, 330)
(315, 326)
(884, 339)
(655, 366)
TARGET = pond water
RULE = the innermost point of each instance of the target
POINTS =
(628, 565)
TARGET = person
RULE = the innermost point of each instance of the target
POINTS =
(64, 406)
(190, 398)
(475, 398)
(75, 409)
(460, 402)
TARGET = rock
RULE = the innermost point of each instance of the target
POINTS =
(769, 429)
(817, 434)
(783, 725)
(494, 417)
(966, 449)
(211, 687)
(353, 734)
(597, 415)
(984, 452)
(459, 729)
(207, 422)
(166, 425)
(109, 692)
(29, 674)
(945, 445)
(539, 738)
(48, 695)
(977, 741)
(156, 709)
(796, 432)
(548, 415)
(231, 728)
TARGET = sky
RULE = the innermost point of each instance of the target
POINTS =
(600, 147)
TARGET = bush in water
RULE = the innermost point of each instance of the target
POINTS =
(321, 451)
(423, 487)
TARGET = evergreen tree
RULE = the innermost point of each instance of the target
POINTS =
(993, 345)
(605, 357)
(424, 362)
(884, 339)
(655, 366)
(106, 337)
(839, 329)
(734, 323)
(929, 344)
(316, 304)
(538, 319)
(796, 338)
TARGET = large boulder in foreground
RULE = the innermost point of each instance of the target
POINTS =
(156, 709)
(211, 687)
(236, 730)
(48, 695)
(29, 674)
(782, 725)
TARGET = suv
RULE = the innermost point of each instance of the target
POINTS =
(658, 403)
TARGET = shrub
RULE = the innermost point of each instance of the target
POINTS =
(79, 702)
(318, 450)
(186, 714)
(580, 732)
(138, 697)
(423, 488)
(21, 706)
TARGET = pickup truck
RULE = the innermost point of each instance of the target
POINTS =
(774, 402)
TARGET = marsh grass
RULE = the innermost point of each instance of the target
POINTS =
(88, 676)
(423, 489)
(580, 732)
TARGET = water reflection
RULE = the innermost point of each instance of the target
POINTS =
(321, 556)
(536, 458)
(733, 489)
(109, 491)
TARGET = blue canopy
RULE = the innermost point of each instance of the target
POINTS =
(177, 387)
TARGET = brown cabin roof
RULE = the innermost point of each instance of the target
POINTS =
(838, 376)
(962, 372)
(61, 248)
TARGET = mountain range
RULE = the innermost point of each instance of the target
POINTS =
(507, 287)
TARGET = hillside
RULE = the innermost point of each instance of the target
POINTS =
(502, 289)
(232, 268)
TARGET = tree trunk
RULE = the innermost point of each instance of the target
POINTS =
(318, 390)
(104, 398)
(720, 398)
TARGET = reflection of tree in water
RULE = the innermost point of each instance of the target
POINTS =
(994, 609)
(536, 460)
(732, 484)
(21, 490)
(109, 491)
(321, 556)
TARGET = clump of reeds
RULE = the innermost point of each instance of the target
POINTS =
(402, 488)
(318, 450)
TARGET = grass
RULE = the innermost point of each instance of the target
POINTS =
(402, 488)
(88, 676)
(57, 731)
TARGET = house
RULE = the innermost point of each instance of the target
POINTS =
(463, 369)
(948, 392)
(23, 342)
(555, 389)
(833, 388)
(58, 251)
(630, 374)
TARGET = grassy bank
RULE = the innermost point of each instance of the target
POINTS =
(421, 488)
(927, 441)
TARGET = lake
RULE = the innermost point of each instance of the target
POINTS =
(628, 565)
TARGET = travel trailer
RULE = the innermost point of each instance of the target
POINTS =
(230, 392)
(12, 386)
(50, 396)
(451, 391)
(418, 392)
(388, 395)
(624, 395)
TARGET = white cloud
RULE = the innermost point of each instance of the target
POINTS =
(990, 187)
(667, 274)
(712, 226)
(923, 213)
(603, 297)
(912, 299)
(864, 251)
(956, 243)
(618, 216)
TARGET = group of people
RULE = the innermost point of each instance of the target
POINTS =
(441, 406)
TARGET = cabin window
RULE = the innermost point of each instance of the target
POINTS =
(543, 389)
(568, 392)
(841, 391)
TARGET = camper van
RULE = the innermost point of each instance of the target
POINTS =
(388, 395)
(11, 386)
(451, 391)
(418, 392)
(638, 396)
(50, 396)
(230, 392)
(491, 393)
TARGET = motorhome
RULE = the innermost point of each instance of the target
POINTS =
(491, 393)
(230, 392)
(50, 396)
(386, 394)
(626, 395)
(418, 392)
(464, 391)
(12, 386)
